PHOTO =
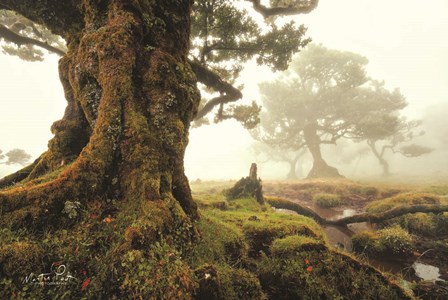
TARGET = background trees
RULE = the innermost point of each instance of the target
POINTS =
(326, 95)
(14, 156)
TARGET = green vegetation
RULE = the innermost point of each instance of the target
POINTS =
(244, 250)
(387, 241)
(404, 199)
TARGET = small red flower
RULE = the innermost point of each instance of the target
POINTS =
(309, 269)
(307, 261)
(85, 284)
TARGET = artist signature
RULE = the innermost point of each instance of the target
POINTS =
(58, 275)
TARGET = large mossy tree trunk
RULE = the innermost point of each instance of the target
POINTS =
(131, 96)
(320, 167)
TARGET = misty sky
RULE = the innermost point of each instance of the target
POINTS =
(404, 40)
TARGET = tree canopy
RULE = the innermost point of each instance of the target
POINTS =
(14, 156)
(326, 95)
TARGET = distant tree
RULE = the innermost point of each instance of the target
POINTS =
(386, 131)
(269, 151)
(15, 156)
(319, 92)
(326, 95)
(279, 134)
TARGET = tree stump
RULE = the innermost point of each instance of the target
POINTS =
(248, 187)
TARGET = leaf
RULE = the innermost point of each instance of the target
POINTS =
(85, 284)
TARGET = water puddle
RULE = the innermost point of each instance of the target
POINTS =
(426, 272)
(340, 237)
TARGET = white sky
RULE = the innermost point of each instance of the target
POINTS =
(404, 40)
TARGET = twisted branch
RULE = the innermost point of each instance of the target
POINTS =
(228, 92)
(20, 40)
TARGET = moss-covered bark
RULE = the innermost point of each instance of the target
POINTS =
(117, 154)
(131, 96)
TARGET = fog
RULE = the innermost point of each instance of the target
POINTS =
(403, 40)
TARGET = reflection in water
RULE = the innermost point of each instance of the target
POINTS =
(426, 272)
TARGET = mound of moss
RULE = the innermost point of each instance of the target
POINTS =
(389, 241)
(405, 199)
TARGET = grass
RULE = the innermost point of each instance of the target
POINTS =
(327, 200)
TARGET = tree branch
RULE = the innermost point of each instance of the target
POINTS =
(228, 92)
(42, 12)
(390, 214)
(364, 217)
(20, 40)
(298, 7)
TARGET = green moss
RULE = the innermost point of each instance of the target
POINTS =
(404, 199)
(327, 200)
(221, 282)
(20, 258)
(220, 243)
(261, 234)
(294, 244)
(393, 241)
(304, 269)
(206, 201)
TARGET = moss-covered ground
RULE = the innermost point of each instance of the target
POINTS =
(421, 237)
(245, 250)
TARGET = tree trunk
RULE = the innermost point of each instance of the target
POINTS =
(379, 156)
(292, 169)
(320, 167)
(130, 98)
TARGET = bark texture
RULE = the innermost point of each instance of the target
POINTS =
(131, 96)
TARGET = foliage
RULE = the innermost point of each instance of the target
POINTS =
(15, 156)
(25, 27)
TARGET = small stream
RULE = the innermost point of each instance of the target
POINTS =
(340, 237)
